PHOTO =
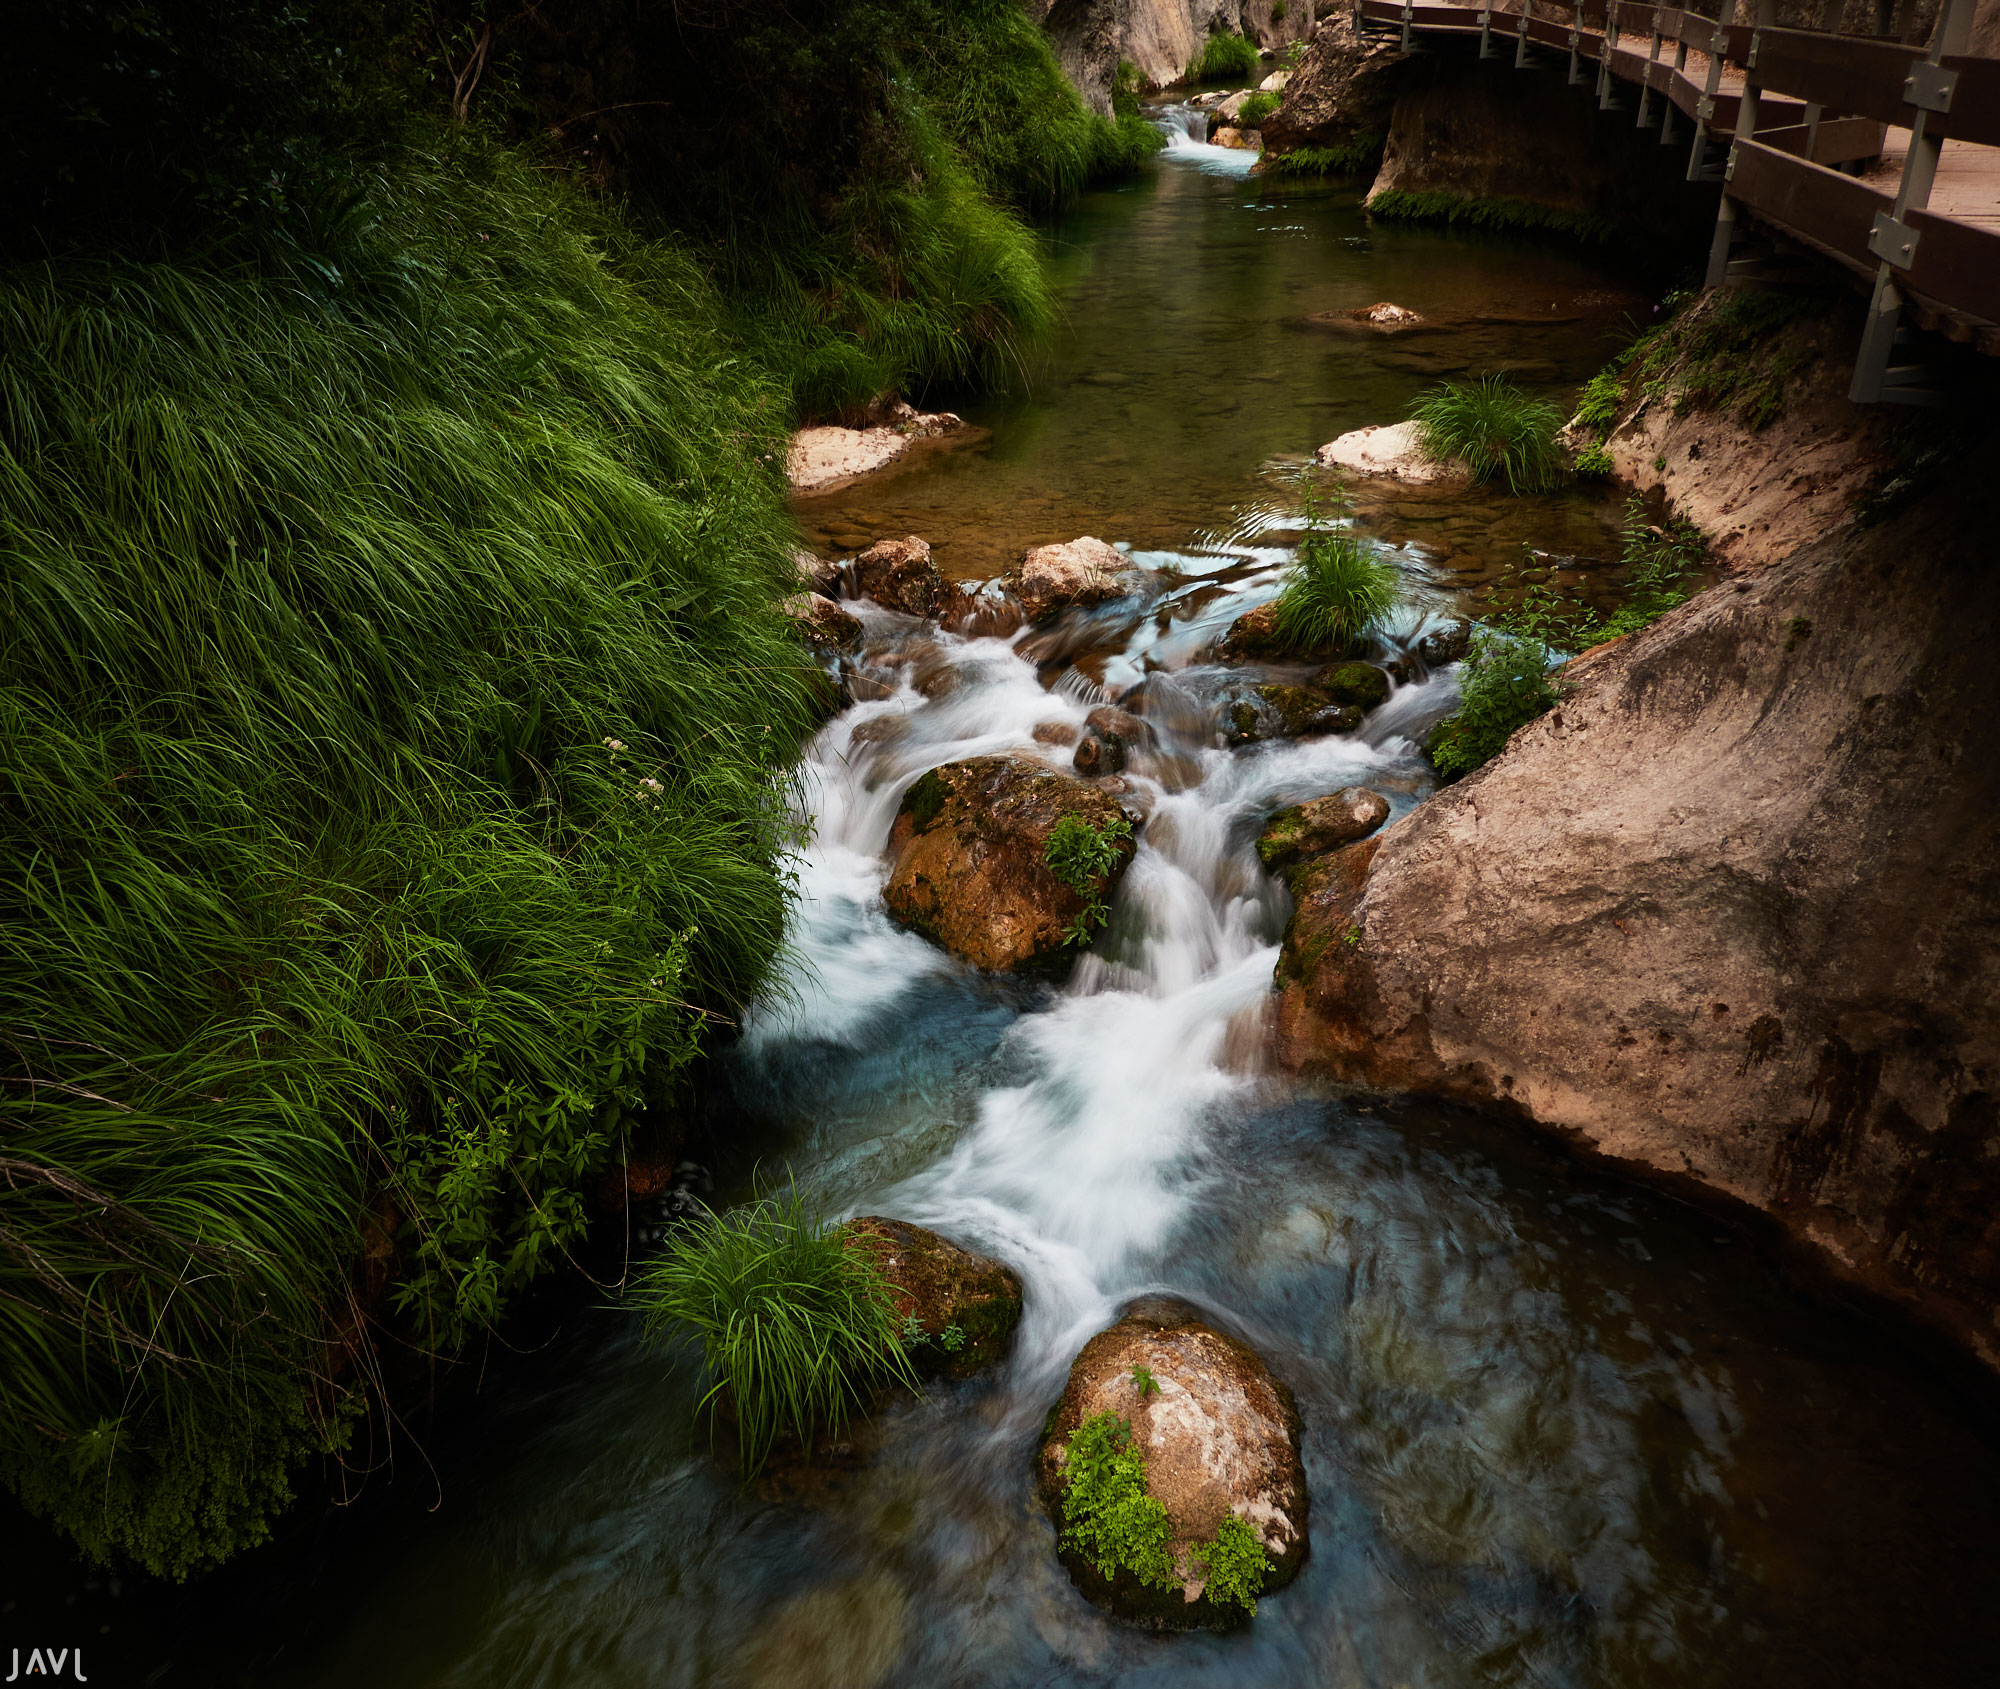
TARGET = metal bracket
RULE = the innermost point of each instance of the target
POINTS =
(1929, 86)
(1705, 109)
(1756, 41)
(1729, 169)
(1893, 242)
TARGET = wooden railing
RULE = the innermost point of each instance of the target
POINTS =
(1771, 114)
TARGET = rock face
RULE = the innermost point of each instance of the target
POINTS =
(1323, 824)
(1219, 1436)
(1158, 37)
(1389, 449)
(900, 575)
(967, 1304)
(1053, 577)
(1731, 912)
(824, 626)
(968, 870)
(1341, 94)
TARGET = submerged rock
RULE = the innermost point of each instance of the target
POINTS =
(968, 1305)
(822, 459)
(1219, 1436)
(1321, 825)
(1081, 572)
(1360, 684)
(823, 625)
(900, 575)
(967, 864)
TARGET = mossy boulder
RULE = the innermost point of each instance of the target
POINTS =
(1219, 1436)
(900, 575)
(1323, 824)
(1253, 637)
(967, 1304)
(824, 626)
(967, 862)
(1445, 643)
(1251, 714)
(1362, 685)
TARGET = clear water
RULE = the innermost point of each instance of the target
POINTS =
(1558, 1432)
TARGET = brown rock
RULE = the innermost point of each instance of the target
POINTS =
(967, 859)
(1324, 824)
(823, 625)
(967, 1304)
(1099, 753)
(1108, 718)
(1254, 637)
(1220, 1436)
(1053, 577)
(1360, 684)
(1340, 94)
(900, 575)
(1056, 733)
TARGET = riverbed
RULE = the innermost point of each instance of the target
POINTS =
(1559, 1431)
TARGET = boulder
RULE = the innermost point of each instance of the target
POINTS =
(822, 459)
(1250, 714)
(967, 865)
(1108, 718)
(1219, 1436)
(900, 575)
(1081, 572)
(1323, 824)
(1253, 637)
(1056, 733)
(967, 1305)
(1340, 95)
(1360, 684)
(1099, 753)
(1274, 83)
(1230, 136)
(1296, 707)
(1443, 644)
(1390, 450)
(816, 574)
(822, 624)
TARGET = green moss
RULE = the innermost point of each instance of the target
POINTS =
(1235, 1565)
(1478, 211)
(1108, 1516)
(924, 802)
(1360, 684)
(1279, 841)
(1356, 156)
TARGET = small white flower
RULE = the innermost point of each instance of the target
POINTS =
(615, 744)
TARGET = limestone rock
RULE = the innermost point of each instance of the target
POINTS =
(900, 575)
(1053, 577)
(1446, 643)
(1340, 94)
(1219, 1436)
(1386, 316)
(820, 460)
(1323, 824)
(1099, 753)
(1274, 83)
(823, 625)
(817, 574)
(967, 867)
(1389, 449)
(967, 1304)
(1730, 911)
(1230, 136)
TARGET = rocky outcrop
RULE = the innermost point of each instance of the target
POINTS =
(1388, 449)
(900, 575)
(968, 869)
(1340, 96)
(823, 625)
(1080, 573)
(1321, 825)
(1730, 912)
(967, 1305)
(1158, 37)
(1219, 1436)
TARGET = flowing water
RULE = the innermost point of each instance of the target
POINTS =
(1558, 1432)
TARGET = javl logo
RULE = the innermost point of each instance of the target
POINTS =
(49, 1664)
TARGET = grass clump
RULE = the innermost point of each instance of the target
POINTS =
(1081, 856)
(396, 717)
(1223, 57)
(1493, 429)
(794, 1325)
(1336, 591)
(1474, 211)
(1257, 108)
(1347, 158)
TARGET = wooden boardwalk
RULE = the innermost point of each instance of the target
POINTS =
(1880, 154)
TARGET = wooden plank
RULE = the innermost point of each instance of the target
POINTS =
(1838, 140)
(1957, 263)
(1835, 210)
(1975, 102)
(1861, 78)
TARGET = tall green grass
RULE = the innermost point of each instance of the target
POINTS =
(1222, 57)
(795, 1326)
(1493, 429)
(1337, 590)
(394, 715)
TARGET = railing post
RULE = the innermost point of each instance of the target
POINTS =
(1746, 127)
(1486, 30)
(1892, 240)
(1652, 58)
(1409, 19)
(1521, 37)
(1717, 42)
(1575, 42)
(1609, 42)
(1668, 128)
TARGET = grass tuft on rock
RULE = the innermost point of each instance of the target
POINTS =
(1223, 57)
(795, 1325)
(1337, 590)
(1494, 430)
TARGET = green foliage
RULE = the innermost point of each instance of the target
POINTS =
(1080, 856)
(1493, 428)
(794, 1324)
(1603, 397)
(1108, 1517)
(396, 716)
(1503, 685)
(1257, 108)
(1234, 1565)
(951, 1339)
(1223, 57)
(1477, 211)
(1593, 463)
(1147, 1383)
(1337, 588)
(1349, 158)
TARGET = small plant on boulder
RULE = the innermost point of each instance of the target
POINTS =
(1148, 1384)
(1503, 685)
(1234, 1565)
(1257, 108)
(1080, 856)
(1337, 590)
(1108, 1517)
(1493, 428)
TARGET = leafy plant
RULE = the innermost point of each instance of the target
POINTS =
(1603, 395)
(1080, 856)
(1346, 158)
(1503, 685)
(1143, 1377)
(1336, 590)
(951, 1339)
(1222, 56)
(1594, 463)
(1108, 1516)
(1493, 428)
(794, 1324)
(1234, 1565)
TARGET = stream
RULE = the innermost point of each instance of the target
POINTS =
(1559, 1431)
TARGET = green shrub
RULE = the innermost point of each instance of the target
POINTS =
(1257, 108)
(1503, 685)
(1108, 1516)
(1222, 57)
(1603, 397)
(1492, 428)
(1336, 591)
(1235, 1565)
(795, 1326)
(396, 719)
(1080, 856)
(1593, 463)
